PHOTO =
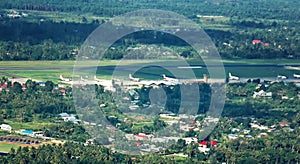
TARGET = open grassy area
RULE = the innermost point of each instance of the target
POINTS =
(57, 16)
(50, 70)
(6, 147)
(34, 125)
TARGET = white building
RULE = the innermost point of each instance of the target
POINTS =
(6, 127)
(190, 140)
(262, 93)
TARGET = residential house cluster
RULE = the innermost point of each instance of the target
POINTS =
(16, 14)
(69, 118)
(257, 42)
(6, 87)
(262, 93)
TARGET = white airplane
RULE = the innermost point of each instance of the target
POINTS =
(169, 79)
(232, 77)
(82, 79)
(133, 78)
(296, 76)
(61, 77)
(96, 79)
(281, 77)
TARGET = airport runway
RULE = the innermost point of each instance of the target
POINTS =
(271, 77)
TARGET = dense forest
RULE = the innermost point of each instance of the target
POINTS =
(285, 10)
(40, 36)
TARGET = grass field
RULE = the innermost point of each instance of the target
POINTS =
(58, 17)
(50, 70)
(34, 125)
(6, 146)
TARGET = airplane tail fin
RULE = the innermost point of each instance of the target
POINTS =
(229, 74)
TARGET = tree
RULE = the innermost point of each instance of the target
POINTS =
(17, 88)
(49, 85)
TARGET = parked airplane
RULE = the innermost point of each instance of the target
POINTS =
(96, 79)
(231, 77)
(133, 78)
(82, 79)
(296, 76)
(61, 77)
(281, 77)
(170, 79)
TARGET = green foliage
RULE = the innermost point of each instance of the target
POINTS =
(34, 100)
(33, 39)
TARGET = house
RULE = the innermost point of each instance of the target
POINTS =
(42, 84)
(203, 144)
(169, 116)
(71, 119)
(38, 134)
(63, 91)
(245, 131)
(209, 119)
(262, 93)
(235, 130)
(140, 136)
(129, 136)
(90, 141)
(232, 136)
(186, 127)
(3, 87)
(260, 127)
(214, 143)
(86, 123)
(262, 135)
(190, 140)
(256, 42)
(6, 127)
(61, 86)
(64, 115)
(204, 150)
(284, 124)
(192, 122)
(138, 144)
(23, 87)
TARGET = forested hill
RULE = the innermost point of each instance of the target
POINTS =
(55, 29)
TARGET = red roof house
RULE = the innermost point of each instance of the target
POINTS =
(3, 86)
(203, 143)
(23, 86)
(256, 41)
(140, 137)
(214, 143)
(138, 144)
